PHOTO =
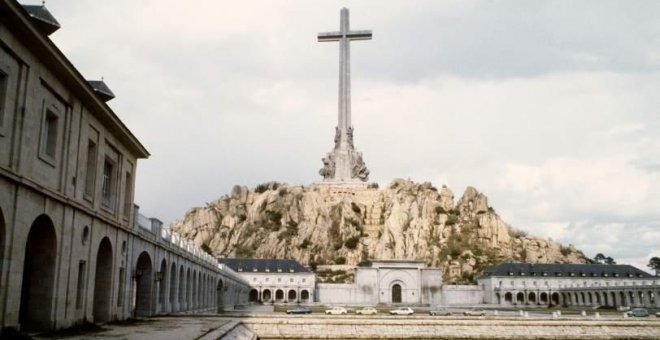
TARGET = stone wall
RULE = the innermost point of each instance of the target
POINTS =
(457, 295)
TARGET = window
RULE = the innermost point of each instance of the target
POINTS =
(49, 135)
(279, 279)
(3, 97)
(291, 280)
(128, 190)
(81, 284)
(109, 188)
(92, 155)
(304, 280)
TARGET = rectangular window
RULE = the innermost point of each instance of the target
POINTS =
(81, 284)
(49, 136)
(128, 191)
(109, 188)
(3, 97)
(90, 176)
(120, 294)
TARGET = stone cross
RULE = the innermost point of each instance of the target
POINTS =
(344, 165)
(344, 36)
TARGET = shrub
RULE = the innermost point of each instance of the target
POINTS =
(451, 220)
(261, 188)
(305, 243)
(372, 185)
(517, 233)
(565, 250)
(356, 209)
(440, 210)
(340, 260)
(352, 242)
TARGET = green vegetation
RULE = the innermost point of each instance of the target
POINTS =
(565, 250)
(372, 185)
(654, 263)
(334, 276)
(305, 243)
(340, 260)
(440, 210)
(451, 220)
(356, 209)
(352, 242)
(517, 233)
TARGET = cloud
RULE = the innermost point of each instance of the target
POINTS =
(548, 108)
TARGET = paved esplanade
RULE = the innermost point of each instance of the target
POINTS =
(344, 164)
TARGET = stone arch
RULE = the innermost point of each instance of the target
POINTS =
(543, 298)
(650, 295)
(520, 297)
(397, 292)
(195, 289)
(182, 288)
(188, 290)
(531, 298)
(279, 295)
(597, 298)
(254, 295)
(103, 282)
(292, 295)
(554, 298)
(173, 287)
(508, 297)
(35, 313)
(304, 295)
(144, 278)
(266, 295)
(162, 284)
(219, 288)
(631, 295)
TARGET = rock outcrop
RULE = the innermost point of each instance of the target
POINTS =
(332, 225)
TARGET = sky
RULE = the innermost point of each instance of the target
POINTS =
(550, 108)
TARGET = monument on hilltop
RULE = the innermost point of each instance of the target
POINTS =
(344, 165)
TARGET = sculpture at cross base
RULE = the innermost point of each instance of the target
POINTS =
(344, 164)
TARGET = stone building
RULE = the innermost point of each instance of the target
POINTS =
(386, 282)
(569, 285)
(70, 248)
(274, 281)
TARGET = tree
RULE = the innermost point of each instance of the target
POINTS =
(599, 258)
(654, 263)
(602, 259)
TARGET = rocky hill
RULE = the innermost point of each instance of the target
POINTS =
(328, 225)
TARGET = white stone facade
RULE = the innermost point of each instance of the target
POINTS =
(386, 282)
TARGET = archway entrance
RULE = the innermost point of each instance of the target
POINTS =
(520, 298)
(291, 296)
(396, 293)
(254, 295)
(220, 289)
(162, 285)
(508, 297)
(103, 282)
(173, 287)
(38, 276)
(279, 295)
(143, 278)
(266, 295)
(304, 296)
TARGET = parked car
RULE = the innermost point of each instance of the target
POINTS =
(440, 311)
(299, 310)
(366, 311)
(402, 311)
(475, 312)
(336, 311)
(638, 312)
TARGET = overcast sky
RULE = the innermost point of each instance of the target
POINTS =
(548, 107)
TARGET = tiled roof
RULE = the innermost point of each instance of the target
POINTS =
(42, 18)
(566, 270)
(264, 265)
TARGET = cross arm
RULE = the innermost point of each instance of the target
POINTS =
(329, 36)
(359, 35)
